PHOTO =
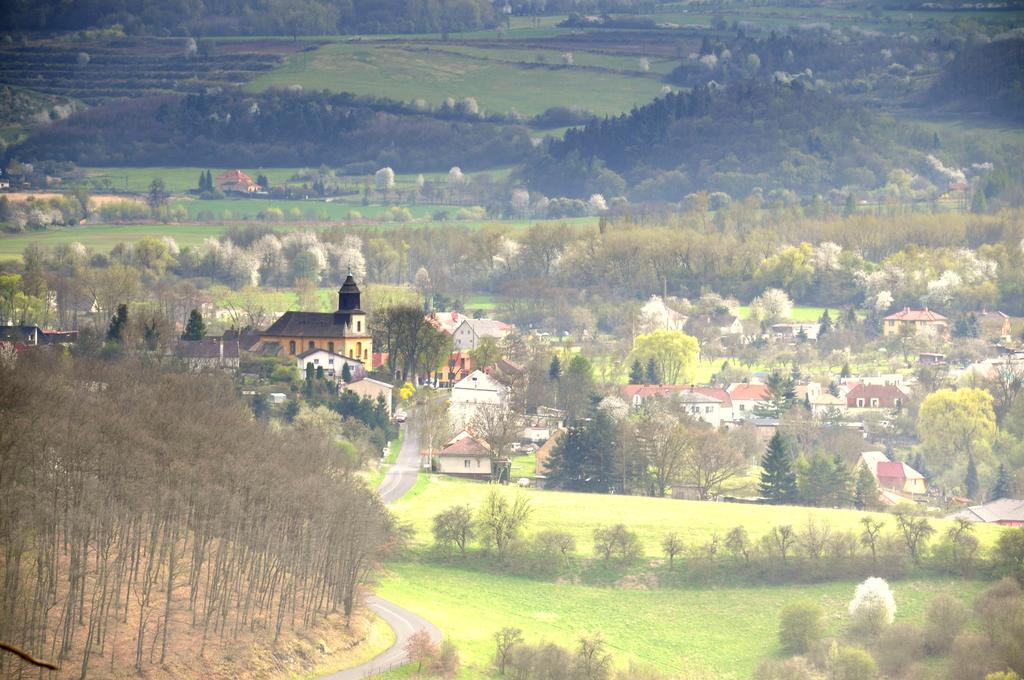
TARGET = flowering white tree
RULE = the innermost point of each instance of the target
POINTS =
(567, 59)
(385, 179)
(645, 64)
(191, 48)
(709, 60)
(826, 256)
(597, 204)
(520, 201)
(873, 606)
(883, 301)
(614, 407)
(455, 175)
(771, 305)
(470, 106)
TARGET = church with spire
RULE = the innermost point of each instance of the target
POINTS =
(343, 331)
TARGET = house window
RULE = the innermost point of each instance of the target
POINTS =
(291, 347)
(312, 345)
(860, 402)
(330, 347)
(330, 360)
(359, 326)
(366, 354)
(896, 403)
(350, 355)
(874, 402)
(707, 409)
(465, 463)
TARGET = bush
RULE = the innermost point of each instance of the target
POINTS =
(850, 663)
(796, 668)
(944, 620)
(872, 608)
(971, 658)
(446, 663)
(617, 540)
(800, 627)
(899, 648)
(1010, 552)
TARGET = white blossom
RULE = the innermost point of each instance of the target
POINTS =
(826, 256)
(873, 606)
(597, 204)
(384, 178)
(614, 407)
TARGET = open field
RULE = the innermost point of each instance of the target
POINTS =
(651, 518)
(389, 70)
(724, 631)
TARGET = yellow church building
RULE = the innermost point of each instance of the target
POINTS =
(342, 332)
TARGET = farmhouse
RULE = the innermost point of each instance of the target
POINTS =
(343, 332)
(915, 321)
(473, 392)
(471, 331)
(465, 456)
(893, 475)
(235, 182)
(745, 398)
(333, 364)
(34, 336)
(1008, 512)
(368, 387)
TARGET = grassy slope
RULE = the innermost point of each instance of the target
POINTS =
(652, 518)
(725, 631)
(386, 71)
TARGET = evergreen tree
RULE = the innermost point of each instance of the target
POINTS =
(845, 372)
(971, 478)
(202, 182)
(842, 483)
(118, 324)
(320, 372)
(979, 204)
(781, 396)
(636, 373)
(260, 405)
(264, 183)
(824, 324)
(778, 481)
(195, 329)
(865, 495)
(919, 465)
(652, 372)
(209, 181)
(1003, 488)
(346, 373)
(151, 334)
(850, 317)
(814, 481)
(310, 372)
(584, 458)
(850, 206)
(555, 369)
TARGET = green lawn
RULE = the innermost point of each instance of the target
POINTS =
(651, 518)
(389, 70)
(176, 179)
(720, 631)
(800, 313)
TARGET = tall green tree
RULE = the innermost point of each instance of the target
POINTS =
(555, 369)
(118, 325)
(842, 483)
(583, 459)
(195, 329)
(653, 378)
(636, 373)
(778, 481)
(674, 352)
(346, 373)
(971, 478)
(157, 196)
(781, 396)
(1003, 487)
(824, 324)
(865, 495)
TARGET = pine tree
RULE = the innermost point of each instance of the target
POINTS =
(653, 377)
(971, 478)
(195, 329)
(1003, 488)
(865, 495)
(202, 182)
(636, 373)
(824, 324)
(555, 369)
(346, 373)
(842, 483)
(209, 181)
(845, 372)
(320, 372)
(781, 395)
(118, 324)
(778, 481)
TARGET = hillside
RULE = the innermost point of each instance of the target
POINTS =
(986, 79)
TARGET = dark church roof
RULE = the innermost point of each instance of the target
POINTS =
(323, 324)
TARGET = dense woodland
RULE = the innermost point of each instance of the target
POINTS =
(159, 516)
(277, 128)
(986, 79)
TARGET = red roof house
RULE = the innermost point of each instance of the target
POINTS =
(236, 181)
(875, 396)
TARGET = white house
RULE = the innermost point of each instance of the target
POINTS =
(368, 387)
(745, 398)
(701, 407)
(465, 456)
(656, 315)
(332, 363)
(471, 331)
(474, 391)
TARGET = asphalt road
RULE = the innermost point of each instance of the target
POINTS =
(397, 481)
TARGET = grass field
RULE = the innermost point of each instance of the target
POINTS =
(721, 631)
(651, 518)
(390, 70)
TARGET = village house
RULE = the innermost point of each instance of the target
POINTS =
(712, 405)
(993, 325)
(893, 476)
(446, 322)
(915, 321)
(210, 353)
(791, 331)
(471, 331)
(475, 391)
(825, 405)
(333, 364)
(368, 387)
(1008, 512)
(458, 365)
(343, 332)
(235, 182)
(465, 456)
(746, 397)
(656, 315)
(34, 336)
(875, 397)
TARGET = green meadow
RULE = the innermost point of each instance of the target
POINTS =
(691, 633)
(398, 71)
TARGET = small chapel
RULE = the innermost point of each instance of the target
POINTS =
(342, 332)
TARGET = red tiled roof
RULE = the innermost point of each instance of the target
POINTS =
(467, 446)
(907, 314)
(716, 392)
(749, 392)
(886, 395)
(890, 470)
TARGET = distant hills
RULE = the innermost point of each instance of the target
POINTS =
(986, 78)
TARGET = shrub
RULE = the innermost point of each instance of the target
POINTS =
(556, 547)
(796, 668)
(850, 663)
(446, 662)
(944, 620)
(901, 646)
(1010, 552)
(453, 528)
(617, 540)
(1006, 675)
(872, 607)
(800, 627)
(971, 658)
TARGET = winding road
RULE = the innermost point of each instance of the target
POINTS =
(397, 481)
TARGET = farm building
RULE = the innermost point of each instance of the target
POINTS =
(235, 182)
(1008, 512)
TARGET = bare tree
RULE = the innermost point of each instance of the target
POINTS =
(712, 459)
(500, 520)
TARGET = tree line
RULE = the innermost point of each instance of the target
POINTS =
(156, 510)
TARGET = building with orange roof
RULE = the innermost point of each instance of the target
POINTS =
(236, 182)
(915, 321)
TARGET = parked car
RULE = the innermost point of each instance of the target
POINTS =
(400, 416)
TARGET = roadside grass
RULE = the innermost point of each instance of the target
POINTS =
(695, 521)
(378, 638)
(396, 447)
(389, 70)
(724, 631)
(523, 466)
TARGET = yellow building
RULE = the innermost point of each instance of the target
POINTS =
(915, 321)
(342, 332)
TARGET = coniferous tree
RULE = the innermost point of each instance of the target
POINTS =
(346, 373)
(778, 481)
(320, 372)
(583, 459)
(652, 372)
(636, 373)
(195, 329)
(202, 182)
(209, 181)
(845, 372)
(866, 491)
(781, 395)
(1003, 488)
(919, 465)
(118, 324)
(971, 478)
(824, 324)
(555, 369)
(842, 483)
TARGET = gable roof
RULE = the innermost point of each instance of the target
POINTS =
(370, 381)
(209, 348)
(748, 392)
(923, 315)
(313, 325)
(446, 321)
(487, 328)
(872, 459)
(466, 446)
(478, 380)
(880, 392)
(1002, 510)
